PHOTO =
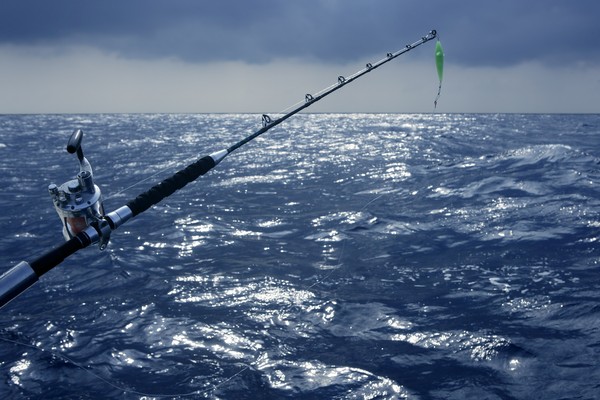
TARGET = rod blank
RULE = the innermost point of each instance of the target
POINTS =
(23, 275)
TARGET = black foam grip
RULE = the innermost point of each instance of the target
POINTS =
(170, 185)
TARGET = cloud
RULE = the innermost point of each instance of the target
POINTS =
(333, 31)
(262, 55)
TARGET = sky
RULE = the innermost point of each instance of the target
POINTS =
(196, 56)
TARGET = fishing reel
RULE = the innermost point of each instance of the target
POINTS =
(78, 202)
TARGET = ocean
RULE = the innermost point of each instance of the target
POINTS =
(338, 256)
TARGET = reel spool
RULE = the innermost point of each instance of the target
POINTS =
(78, 202)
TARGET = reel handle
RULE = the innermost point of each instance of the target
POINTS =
(75, 141)
(74, 144)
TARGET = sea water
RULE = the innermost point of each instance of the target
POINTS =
(338, 256)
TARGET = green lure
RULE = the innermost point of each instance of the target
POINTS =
(439, 60)
(439, 63)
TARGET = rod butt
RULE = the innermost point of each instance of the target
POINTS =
(15, 281)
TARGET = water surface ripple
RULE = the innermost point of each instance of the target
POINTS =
(340, 256)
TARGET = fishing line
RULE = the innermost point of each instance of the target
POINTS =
(171, 166)
(79, 205)
(439, 61)
(266, 119)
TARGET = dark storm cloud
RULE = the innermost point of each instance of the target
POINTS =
(476, 33)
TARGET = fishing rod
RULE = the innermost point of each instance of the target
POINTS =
(78, 202)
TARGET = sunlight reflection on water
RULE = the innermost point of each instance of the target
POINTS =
(343, 256)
